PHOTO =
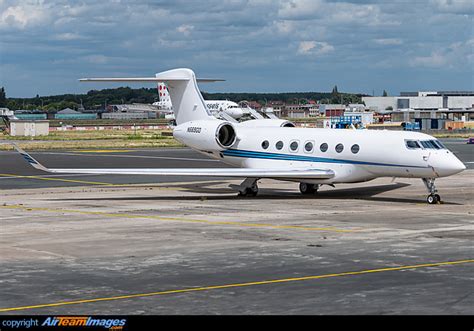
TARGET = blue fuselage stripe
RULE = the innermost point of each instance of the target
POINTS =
(302, 158)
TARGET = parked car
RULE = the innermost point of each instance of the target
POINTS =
(470, 140)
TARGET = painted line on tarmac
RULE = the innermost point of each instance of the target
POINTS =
(58, 179)
(237, 285)
(179, 219)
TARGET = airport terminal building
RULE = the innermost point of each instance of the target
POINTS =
(432, 110)
(442, 102)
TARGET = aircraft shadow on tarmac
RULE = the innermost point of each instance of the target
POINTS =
(368, 193)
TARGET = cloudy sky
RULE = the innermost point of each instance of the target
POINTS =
(256, 45)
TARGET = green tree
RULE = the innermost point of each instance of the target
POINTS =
(335, 97)
(12, 105)
(3, 98)
(384, 94)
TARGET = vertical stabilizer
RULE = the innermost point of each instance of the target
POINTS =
(165, 100)
(188, 103)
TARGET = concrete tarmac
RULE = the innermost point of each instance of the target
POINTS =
(92, 245)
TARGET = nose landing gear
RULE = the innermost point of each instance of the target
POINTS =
(434, 197)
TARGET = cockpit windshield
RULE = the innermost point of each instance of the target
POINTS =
(426, 144)
(412, 144)
(431, 144)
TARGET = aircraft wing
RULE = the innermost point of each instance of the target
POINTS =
(306, 173)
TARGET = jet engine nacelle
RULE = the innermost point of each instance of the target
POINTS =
(206, 135)
(267, 123)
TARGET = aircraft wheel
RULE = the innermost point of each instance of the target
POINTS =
(438, 197)
(243, 193)
(249, 191)
(432, 199)
(306, 188)
(253, 190)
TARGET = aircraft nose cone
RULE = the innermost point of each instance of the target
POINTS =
(447, 165)
(454, 166)
(461, 166)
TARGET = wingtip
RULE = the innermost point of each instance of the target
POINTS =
(28, 158)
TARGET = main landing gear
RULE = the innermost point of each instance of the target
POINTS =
(307, 189)
(247, 188)
(434, 197)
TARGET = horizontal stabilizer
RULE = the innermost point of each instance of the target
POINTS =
(147, 79)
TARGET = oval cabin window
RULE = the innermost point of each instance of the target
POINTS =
(323, 147)
(355, 149)
(294, 146)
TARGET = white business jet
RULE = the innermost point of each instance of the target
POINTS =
(312, 157)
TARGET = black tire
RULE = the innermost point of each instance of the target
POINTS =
(253, 190)
(244, 193)
(249, 191)
(438, 197)
(306, 188)
(432, 199)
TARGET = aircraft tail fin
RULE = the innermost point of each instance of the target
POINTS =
(165, 100)
(188, 103)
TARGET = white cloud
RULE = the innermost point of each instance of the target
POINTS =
(96, 59)
(185, 29)
(285, 27)
(451, 56)
(24, 15)
(388, 41)
(314, 48)
(68, 36)
(336, 13)
(300, 9)
(435, 60)
(455, 6)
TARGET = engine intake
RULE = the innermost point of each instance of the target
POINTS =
(209, 136)
(225, 135)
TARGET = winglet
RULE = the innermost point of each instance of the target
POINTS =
(35, 164)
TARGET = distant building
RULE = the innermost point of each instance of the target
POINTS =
(131, 111)
(70, 114)
(300, 110)
(29, 128)
(423, 104)
(330, 110)
(30, 115)
(134, 107)
(137, 115)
